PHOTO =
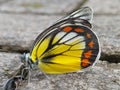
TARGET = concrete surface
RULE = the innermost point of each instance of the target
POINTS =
(106, 7)
(40, 6)
(22, 20)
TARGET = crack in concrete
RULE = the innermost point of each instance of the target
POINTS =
(13, 49)
(111, 58)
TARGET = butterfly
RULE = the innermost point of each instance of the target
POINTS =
(67, 46)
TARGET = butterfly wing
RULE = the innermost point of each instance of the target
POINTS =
(67, 46)
(83, 13)
(83, 16)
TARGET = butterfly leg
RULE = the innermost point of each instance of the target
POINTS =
(14, 82)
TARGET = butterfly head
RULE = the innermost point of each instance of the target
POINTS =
(26, 60)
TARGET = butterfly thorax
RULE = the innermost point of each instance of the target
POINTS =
(27, 62)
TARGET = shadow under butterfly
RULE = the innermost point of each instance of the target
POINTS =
(67, 46)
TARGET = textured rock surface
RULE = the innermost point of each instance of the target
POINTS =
(40, 6)
(108, 31)
(22, 20)
(19, 31)
(103, 76)
(9, 62)
(105, 7)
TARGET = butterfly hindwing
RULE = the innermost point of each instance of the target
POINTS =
(66, 49)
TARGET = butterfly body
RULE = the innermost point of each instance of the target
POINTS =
(67, 46)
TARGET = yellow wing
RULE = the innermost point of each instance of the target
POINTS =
(59, 52)
(64, 50)
(67, 46)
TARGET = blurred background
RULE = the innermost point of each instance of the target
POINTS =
(21, 21)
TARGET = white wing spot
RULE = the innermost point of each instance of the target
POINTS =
(75, 40)
(68, 36)
(60, 34)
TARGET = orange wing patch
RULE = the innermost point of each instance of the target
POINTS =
(85, 62)
(88, 54)
(67, 29)
(79, 30)
(88, 35)
(91, 44)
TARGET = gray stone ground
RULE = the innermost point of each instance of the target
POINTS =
(22, 20)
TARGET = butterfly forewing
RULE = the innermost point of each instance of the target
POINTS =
(83, 13)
